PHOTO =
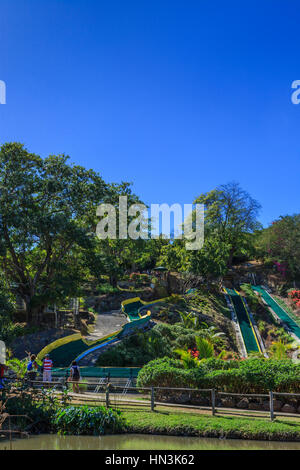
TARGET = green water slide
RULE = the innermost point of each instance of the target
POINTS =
(247, 330)
(132, 309)
(75, 347)
(280, 312)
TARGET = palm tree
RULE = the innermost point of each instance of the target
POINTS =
(210, 332)
(205, 348)
(188, 361)
(278, 350)
(186, 319)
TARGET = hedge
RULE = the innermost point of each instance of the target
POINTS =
(247, 376)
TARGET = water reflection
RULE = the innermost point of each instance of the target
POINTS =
(141, 442)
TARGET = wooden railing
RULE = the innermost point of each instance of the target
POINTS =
(151, 398)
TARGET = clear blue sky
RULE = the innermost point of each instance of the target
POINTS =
(175, 96)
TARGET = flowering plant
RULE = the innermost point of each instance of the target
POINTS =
(295, 297)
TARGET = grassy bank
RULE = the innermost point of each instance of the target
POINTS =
(194, 424)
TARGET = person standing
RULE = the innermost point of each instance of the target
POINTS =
(75, 376)
(47, 369)
(32, 368)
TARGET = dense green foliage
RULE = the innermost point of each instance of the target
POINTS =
(47, 225)
(230, 221)
(7, 328)
(249, 376)
(40, 406)
(46, 208)
(49, 412)
(85, 420)
(137, 349)
(280, 243)
(160, 341)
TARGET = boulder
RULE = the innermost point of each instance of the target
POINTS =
(277, 404)
(288, 408)
(255, 406)
(200, 401)
(243, 403)
(228, 402)
(183, 398)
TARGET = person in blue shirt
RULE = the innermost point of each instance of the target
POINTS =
(32, 368)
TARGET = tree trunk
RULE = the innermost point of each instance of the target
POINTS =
(29, 313)
(113, 281)
(30, 310)
(229, 262)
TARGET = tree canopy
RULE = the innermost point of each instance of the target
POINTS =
(281, 243)
(46, 211)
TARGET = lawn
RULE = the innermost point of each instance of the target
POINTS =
(195, 424)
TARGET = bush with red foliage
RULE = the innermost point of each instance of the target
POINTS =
(295, 297)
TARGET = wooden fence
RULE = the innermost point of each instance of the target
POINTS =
(147, 398)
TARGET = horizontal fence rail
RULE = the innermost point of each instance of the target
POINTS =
(127, 396)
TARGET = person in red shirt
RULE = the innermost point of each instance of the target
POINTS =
(47, 369)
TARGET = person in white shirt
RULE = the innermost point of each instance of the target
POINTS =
(47, 369)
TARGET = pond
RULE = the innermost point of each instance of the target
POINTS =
(141, 442)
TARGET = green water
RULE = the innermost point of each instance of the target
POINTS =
(141, 442)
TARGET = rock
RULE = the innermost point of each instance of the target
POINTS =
(243, 403)
(228, 402)
(183, 398)
(277, 404)
(266, 405)
(255, 406)
(199, 401)
(288, 408)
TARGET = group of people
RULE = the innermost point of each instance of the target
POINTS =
(46, 369)
(32, 368)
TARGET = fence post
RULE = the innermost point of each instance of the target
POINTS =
(213, 401)
(107, 396)
(152, 399)
(66, 380)
(271, 405)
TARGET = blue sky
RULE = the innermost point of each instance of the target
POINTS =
(175, 96)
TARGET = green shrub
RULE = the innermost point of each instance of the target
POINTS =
(136, 350)
(39, 405)
(84, 420)
(246, 376)
(186, 341)
(107, 288)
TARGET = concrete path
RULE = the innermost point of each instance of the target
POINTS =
(107, 323)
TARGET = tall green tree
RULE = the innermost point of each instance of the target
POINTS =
(113, 256)
(230, 215)
(47, 208)
(7, 306)
(230, 218)
(281, 243)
